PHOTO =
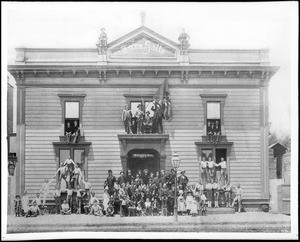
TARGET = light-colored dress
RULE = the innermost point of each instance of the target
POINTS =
(194, 206)
(106, 199)
(181, 204)
(25, 203)
(189, 200)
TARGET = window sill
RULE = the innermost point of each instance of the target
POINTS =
(222, 138)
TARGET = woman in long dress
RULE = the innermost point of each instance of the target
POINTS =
(189, 200)
(181, 203)
(106, 199)
(25, 202)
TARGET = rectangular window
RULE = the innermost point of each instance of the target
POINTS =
(147, 107)
(72, 110)
(71, 115)
(79, 156)
(213, 117)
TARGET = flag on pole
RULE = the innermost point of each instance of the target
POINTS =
(162, 96)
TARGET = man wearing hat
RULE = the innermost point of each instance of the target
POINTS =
(126, 118)
(148, 123)
(145, 176)
(157, 117)
(121, 178)
(170, 179)
(129, 177)
(139, 118)
(111, 180)
(183, 180)
(162, 178)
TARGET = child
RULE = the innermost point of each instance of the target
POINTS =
(165, 205)
(194, 207)
(65, 209)
(37, 200)
(126, 118)
(45, 189)
(155, 207)
(139, 209)
(203, 204)
(69, 196)
(106, 199)
(199, 187)
(228, 189)
(87, 207)
(148, 207)
(18, 206)
(131, 209)
(198, 199)
(88, 188)
(216, 188)
(209, 194)
(181, 203)
(79, 195)
(238, 198)
(96, 209)
(189, 200)
(110, 210)
(25, 203)
(57, 199)
(33, 211)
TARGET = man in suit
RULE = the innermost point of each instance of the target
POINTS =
(157, 117)
(111, 180)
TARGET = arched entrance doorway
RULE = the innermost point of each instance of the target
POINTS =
(140, 159)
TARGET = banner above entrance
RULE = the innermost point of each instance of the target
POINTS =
(142, 46)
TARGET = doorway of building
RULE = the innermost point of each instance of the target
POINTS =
(220, 153)
(140, 159)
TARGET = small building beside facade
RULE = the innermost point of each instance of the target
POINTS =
(278, 151)
(91, 87)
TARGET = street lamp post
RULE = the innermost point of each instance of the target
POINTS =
(175, 163)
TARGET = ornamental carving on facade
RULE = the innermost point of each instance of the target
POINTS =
(184, 42)
(102, 43)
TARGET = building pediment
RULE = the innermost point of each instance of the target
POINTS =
(143, 43)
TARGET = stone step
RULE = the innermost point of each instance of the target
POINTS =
(220, 210)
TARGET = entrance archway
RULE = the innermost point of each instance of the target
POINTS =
(140, 159)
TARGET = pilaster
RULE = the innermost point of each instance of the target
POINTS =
(264, 131)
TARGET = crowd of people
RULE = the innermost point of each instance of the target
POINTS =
(145, 194)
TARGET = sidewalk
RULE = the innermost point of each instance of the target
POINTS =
(238, 222)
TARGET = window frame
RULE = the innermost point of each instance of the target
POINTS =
(71, 98)
(206, 98)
